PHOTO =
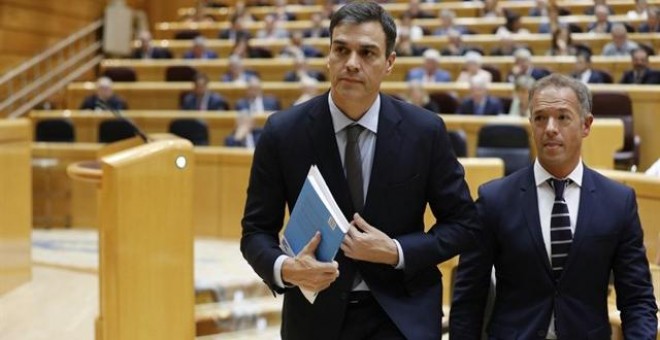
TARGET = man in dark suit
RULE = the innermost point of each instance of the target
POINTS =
(201, 98)
(554, 232)
(199, 50)
(301, 70)
(384, 283)
(522, 65)
(104, 98)
(430, 72)
(583, 71)
(480, 103)
(146, 50)
(255, 101)
(641, 73)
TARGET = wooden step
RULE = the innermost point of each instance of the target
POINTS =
(269, 333)
(223, 317)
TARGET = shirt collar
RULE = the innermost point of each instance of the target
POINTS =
(369, 120)
(541, 175)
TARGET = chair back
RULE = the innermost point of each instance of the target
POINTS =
(192, 129)
(120, 73)
(112, 130)
(180, 73)
(496, 75)
(445, 101)
(508, 142)
(458, 140)
(610, 104)
(186, 34)
(54, 130)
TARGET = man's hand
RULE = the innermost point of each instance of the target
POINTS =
(306, 272)
(366, 243)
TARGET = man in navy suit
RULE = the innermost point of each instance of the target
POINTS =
(104, 98)
(301, 70)
(146, 50)
(522, 65)
(201, 98)
(641, 73)
(431, 71)
(199, 50)
(480, 103)
(583, 71)
(384, 283)
(255, 101)
(554, 232)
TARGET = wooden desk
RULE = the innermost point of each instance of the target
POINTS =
(462, 9)
(482, 25)
(539, 43)
(163, 96)
(274, 69)
(15, 204)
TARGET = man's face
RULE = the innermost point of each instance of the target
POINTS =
(580, 65)
(200, 86)
(104, 92)
(357, 62)
(640, 61)
(558, 129)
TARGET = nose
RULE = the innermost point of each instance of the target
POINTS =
(353, 62)
(551, 127)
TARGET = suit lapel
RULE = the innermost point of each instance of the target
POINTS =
(322, 136)
(587, 193)
(533, 221)
(388, 144)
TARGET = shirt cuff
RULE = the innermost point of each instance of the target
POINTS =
(277, 272)
(401, 264)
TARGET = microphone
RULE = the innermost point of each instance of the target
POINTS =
(104, 106)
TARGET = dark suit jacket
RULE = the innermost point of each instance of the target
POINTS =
(92, 103)
(413, 165)
(215, 102)
(596, 77)
(608, 237)
(417, 73)
(208, 54)
(493, 106)
(649, 77)
(270, 104)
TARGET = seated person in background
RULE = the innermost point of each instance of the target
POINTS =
(652, 24)
(103, 98)
(506, 47)
(430, 72)
(447, 23)
(301, 71)
(620, 44)
(236, 72)
(417, 95)
(281, 11)
(654, 170)
(146, 50)
(405, 23)
(255, 102)
(417, 12)
(480, 103)
(512, 25)
(237, 28)
(297, 47)
(520, 98)
(309, 88)
(245, 135)
(562, 43)
(318, 29)
(602, 24)
(540, 9)
(472, 69)
(455, 45)
(405, 47)
(640, 10)
(201, 98)
(243, 49)
(592, 10)
(583, 72)
(641, 73)
(491, 8)
(199, 50)
(272, 29)
(522, 65)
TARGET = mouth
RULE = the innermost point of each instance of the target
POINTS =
(350, 80)
(552, 145)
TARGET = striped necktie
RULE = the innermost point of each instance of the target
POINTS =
(561, 236)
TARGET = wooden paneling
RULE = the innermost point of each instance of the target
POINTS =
(15, 204)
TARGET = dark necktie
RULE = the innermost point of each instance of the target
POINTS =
(561, 236)
(353, 163)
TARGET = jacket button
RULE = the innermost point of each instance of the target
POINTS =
(541, 333)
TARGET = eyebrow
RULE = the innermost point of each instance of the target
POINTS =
(363, 45)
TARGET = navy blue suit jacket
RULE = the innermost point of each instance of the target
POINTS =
(215, 102)
(493, 107)
(650, 77)
(441, 76)
(413, 165)
(91, 102)
(608, 238)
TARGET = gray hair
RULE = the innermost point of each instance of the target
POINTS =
(560, 81)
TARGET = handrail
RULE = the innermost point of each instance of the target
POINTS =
(38, 78)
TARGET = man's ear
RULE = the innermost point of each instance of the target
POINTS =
(390, 62)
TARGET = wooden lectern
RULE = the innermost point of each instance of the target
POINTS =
(145, 238)
(15, 203)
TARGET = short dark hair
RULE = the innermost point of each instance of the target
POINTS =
(359, 12)
(560, 81)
